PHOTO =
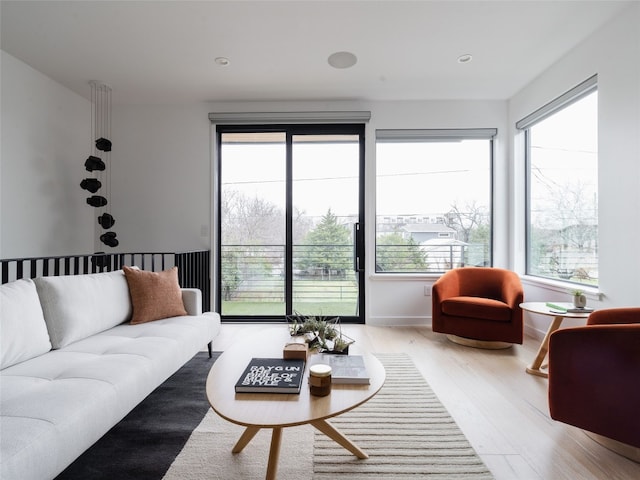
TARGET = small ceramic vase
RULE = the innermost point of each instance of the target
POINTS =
(579, 301)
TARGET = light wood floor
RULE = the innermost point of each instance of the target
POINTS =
(501, 409)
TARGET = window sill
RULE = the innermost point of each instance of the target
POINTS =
(558, 286)
(404, 277)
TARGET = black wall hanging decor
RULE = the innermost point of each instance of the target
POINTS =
(99, 161)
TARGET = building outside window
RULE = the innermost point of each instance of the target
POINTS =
(433, 199)
(561, 141)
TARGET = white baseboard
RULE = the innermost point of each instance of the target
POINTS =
(399, 321)
(534, 332)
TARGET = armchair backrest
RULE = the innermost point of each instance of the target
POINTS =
(487, 282)
(609, 316)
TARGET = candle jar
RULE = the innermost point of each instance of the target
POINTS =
(320, 380)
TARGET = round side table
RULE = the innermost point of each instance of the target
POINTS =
(541, 308)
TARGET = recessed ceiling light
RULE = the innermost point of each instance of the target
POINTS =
(466, 58)
(342, 60)
(222, 61)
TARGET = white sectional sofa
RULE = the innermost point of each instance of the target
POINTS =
(73, 366)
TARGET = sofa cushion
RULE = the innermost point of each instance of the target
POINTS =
(154, 295)
(477, 307)
(24, 332)
(77, 306)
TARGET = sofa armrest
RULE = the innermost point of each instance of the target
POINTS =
(192, 299)
(594, 382)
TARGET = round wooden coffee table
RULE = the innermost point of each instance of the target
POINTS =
(276, 411)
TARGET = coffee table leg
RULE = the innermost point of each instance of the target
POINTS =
(274, 453)
(331, 432)
(534, 369)
(244, 440)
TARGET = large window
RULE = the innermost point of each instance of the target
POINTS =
(433, 199)
(562, 187)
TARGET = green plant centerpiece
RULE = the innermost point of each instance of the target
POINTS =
(322, 334)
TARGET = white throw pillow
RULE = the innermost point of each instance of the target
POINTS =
(78, 306)
(23, 332)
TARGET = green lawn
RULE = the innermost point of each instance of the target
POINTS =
(312, 297)
(346, 308)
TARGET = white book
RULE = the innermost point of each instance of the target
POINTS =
(345, 369)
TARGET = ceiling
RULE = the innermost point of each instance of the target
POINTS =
(164, 51)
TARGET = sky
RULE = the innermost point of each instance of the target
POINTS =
(325, 176)
(564, 163)
(416, 178)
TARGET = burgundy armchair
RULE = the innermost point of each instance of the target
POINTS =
(594, 378)
(479, 306)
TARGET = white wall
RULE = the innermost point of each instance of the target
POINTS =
(161, 177)
(160, 194)
(614, 54)
(45, 139)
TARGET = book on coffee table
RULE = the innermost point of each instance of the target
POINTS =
(345, 369)
(271, 375)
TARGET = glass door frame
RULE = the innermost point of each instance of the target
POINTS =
(292, 130)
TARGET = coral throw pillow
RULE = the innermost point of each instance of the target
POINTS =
(154, 295)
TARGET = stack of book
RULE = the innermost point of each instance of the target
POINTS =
(567, 308)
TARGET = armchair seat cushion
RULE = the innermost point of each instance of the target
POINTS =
(477, 307)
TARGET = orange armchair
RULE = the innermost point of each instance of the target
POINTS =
(479, 306)
(594, 378)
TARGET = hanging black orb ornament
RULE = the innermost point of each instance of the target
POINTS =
(103, 144)
(91, 184)
(94, 163)
(109, 239)
(106, 220)
(97, 201)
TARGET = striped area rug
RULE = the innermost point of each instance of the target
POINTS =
(404, 429)
(406, 432)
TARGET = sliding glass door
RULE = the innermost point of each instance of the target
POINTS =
(291, 208)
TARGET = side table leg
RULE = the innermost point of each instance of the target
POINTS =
(534, 369)
(331, 432)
